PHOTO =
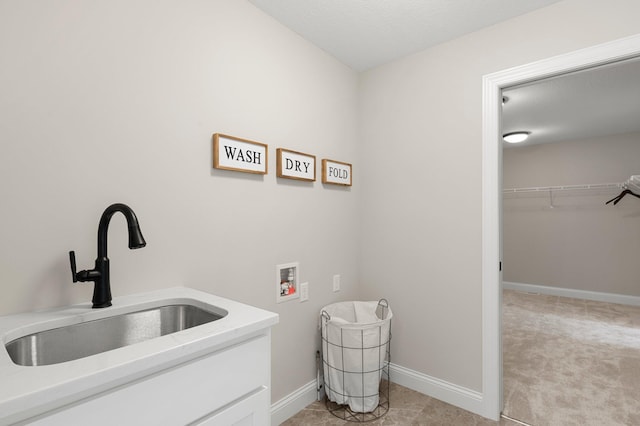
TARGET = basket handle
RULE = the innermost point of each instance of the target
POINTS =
(325, 316)
(383, 305)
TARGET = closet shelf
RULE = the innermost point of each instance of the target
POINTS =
(632, 183)
(565, 188)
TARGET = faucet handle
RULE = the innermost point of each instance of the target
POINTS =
(72, 260)
(84, 275)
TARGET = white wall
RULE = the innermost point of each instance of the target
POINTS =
(421, 158)
(116, 101)
(581, 243)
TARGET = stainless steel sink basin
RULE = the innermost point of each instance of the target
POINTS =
(93, 337)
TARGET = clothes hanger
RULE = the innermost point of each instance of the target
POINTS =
(620, 196)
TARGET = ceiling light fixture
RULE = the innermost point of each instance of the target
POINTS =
(516, 137)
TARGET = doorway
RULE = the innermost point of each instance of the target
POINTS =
(568, 359)
(493, 84)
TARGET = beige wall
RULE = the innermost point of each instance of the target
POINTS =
(116, 101)
(580, 243)
(421, 194)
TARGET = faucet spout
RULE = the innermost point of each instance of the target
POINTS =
(136, 240)
(100, 274)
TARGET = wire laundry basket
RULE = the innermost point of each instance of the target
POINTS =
(356, 353)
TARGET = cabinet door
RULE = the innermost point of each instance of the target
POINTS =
(179, 395)
(251, 411)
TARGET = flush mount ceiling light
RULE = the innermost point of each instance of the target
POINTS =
(516, 137)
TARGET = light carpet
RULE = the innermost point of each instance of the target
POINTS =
(570, 361)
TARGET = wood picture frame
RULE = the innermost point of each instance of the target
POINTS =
(336, 172)
(295, 165)
(240, 155)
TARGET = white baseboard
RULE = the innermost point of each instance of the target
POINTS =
(576, 294)
(291, 404)
(450, 393)
(459, 396)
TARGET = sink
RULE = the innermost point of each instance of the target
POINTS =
(88, 338)
(137, 360)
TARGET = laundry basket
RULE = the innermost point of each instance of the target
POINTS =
(355, 358)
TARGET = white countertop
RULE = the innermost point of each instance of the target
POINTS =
(26, 391)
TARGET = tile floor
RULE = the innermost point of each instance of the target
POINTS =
(407, 407)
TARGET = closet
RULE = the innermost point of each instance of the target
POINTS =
(558, 231)
(583, 152)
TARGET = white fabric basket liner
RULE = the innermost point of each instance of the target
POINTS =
(355, 345)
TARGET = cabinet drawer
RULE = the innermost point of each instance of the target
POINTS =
(179, 395)
(254, 410)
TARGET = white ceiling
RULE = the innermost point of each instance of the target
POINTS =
(366, 33)
(587, 104)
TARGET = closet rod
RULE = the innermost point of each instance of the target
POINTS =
(566, 187)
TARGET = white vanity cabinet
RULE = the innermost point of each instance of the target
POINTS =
(227, 387)
(199, 379)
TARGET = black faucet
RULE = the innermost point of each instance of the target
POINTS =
(100, 274)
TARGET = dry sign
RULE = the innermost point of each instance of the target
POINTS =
(336, 172)
(242, 155)
(295, 165)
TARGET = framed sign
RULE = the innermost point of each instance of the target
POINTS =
(336, 172)
(295, 165)
(242, 155)
(287, 282)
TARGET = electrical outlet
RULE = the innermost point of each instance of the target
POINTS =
(304, 292)
(336, 283)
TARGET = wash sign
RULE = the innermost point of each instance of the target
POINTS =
(243, 155)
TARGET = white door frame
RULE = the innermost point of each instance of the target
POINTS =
(493, 84)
